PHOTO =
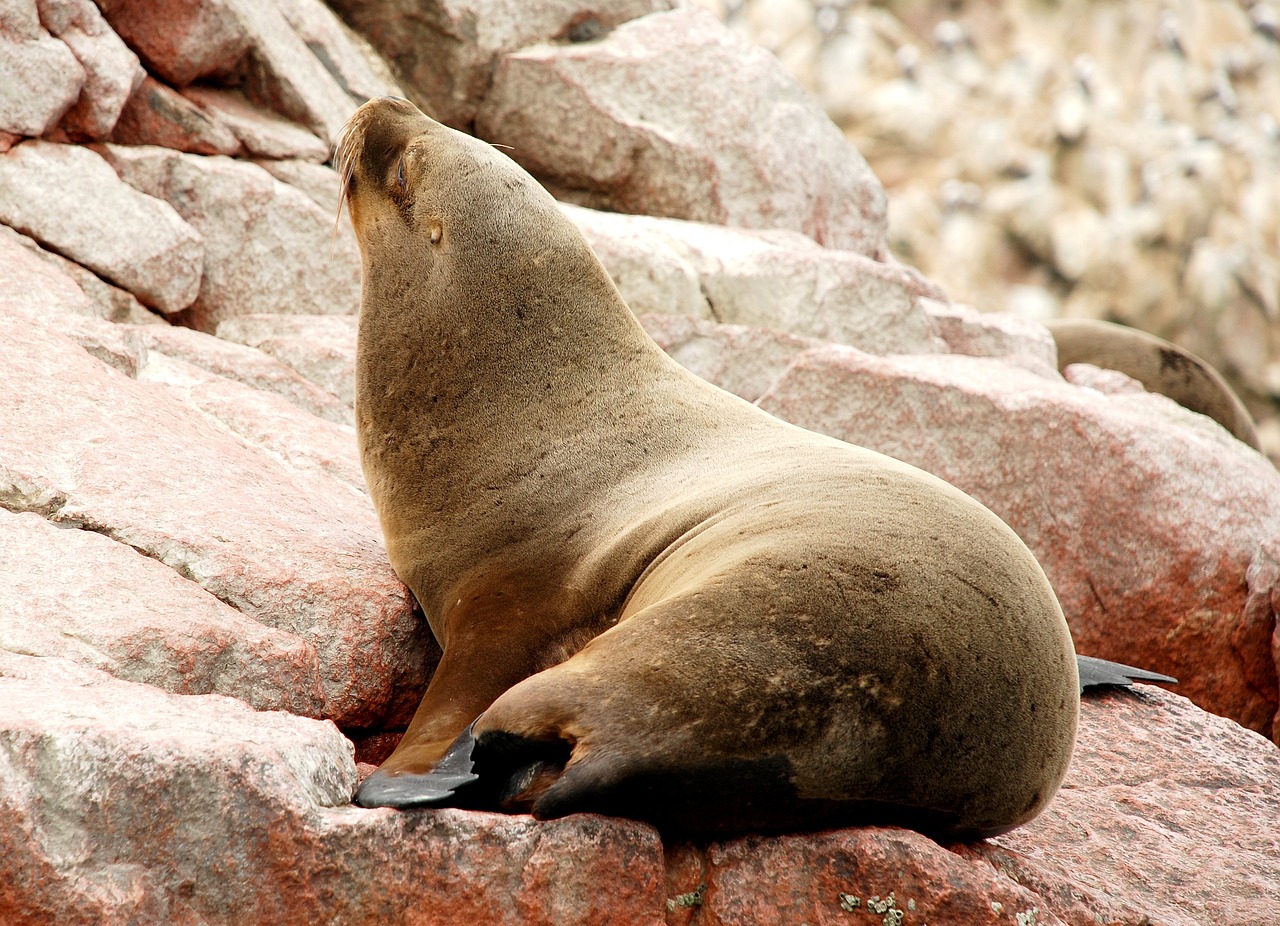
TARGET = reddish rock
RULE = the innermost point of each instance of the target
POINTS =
(1146, 517)
(250, 44)
(40, 78)
(112, 71)
(263, 419)
(105, 301)
(673, 114)
(320, 347)
(776, 279)
(357, 68)
(181, 40)
(446, 49)
(252, 367)
(80, 596)
(262, 133)
(268, 246)
(72, 202)
(295, 551)
(746, 361)
(158, 115)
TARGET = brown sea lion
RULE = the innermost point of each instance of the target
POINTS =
(1159, 365)
(660, 601)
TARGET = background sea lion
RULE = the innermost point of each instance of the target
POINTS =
(1159, 365)
(666, 603)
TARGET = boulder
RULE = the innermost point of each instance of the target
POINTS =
(105, 301)
(446, 49)
(252, 367)
(775, 279)
(159, 115)
(674, 115)
(40, 77)
(71, 201)
(88, 446)
(321, 348)
(247, 42)
(1146, 517)
(262, 134)
(112, 71)
(122, 802)
(268, 246)
(78, 595)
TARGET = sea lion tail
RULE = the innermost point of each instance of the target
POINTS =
(1099, 673)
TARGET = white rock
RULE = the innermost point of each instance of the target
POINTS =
(72, 202)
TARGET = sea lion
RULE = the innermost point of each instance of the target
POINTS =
(658, 600)
(1159, 365)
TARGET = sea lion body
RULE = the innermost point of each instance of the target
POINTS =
(677, 607)
(1159, 365)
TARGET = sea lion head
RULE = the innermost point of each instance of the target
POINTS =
(442, 207)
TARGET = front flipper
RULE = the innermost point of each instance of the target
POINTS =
(1099, 673)
(404, 790)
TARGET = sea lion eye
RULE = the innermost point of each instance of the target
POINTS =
(400, 179)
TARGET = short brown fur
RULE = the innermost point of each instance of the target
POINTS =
(620, 557)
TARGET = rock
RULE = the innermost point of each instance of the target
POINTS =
(1147, 551)
(775, 279)
(263, 419)
(72, 202)
(1159, 793)
(357, 68)
(183, 40)
(254, 43)
(40, 78)
(746, 361)
(158, 115)
(262, 134)
(268, 246)
(321, 348)
(674, 115)
(299, 552)
(112, 71)
(446, 49)
(993, 334)
(227, 815)
(80, 596)
(251, 367)
(105, 301)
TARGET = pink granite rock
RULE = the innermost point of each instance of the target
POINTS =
(446, 49)
(776, 279)
(112, 71)
(257, 368)
(321, 348)
(40, 78)
(159, 115)
(72, 202)
(247, 43)
(265, 420)
(299, 552)
(673, 114)
(105, 301)
(121, 803)
(80, 596)
(261, 133)
(1146, 517)
(181, 40)
(268, 246)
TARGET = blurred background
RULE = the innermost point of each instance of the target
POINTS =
(1117, 159)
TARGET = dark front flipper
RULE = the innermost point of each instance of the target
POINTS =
(438, 786)
(1099, 673)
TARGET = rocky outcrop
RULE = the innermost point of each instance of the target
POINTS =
(199, 629)
(1113, 161)
(179, 808)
